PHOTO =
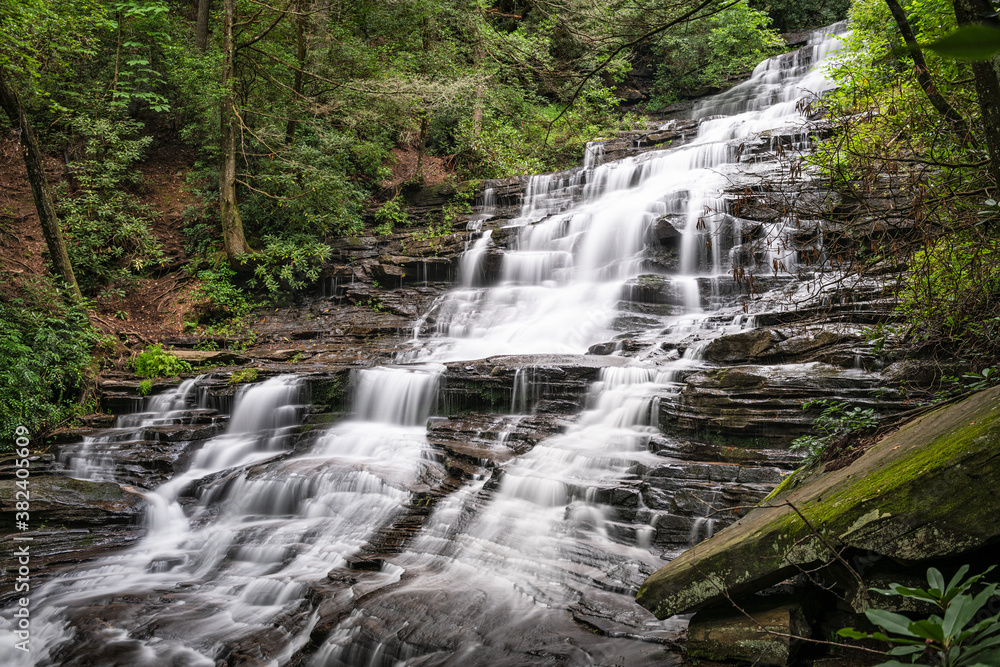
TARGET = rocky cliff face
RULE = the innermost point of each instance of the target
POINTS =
(923, 495)
(724, 364)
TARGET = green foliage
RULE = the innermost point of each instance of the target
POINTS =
(393, 213)
(836, 420)
(145, 387)
(108, 231)
(313, 187)
(950, 292)
(792, 15)
(243, 376)
(984, 379)
(962, 637)
(289, 263)
(709, 54)
(155, 362)
(946, 234)
(45, 359)
(970, 42)
(222, 299)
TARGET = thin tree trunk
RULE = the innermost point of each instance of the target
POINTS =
(420, 149)
(39, 186)
(201, 30)
(986, 75)
(232, 224)
(937, 100)
(300, 30)
(477, 113)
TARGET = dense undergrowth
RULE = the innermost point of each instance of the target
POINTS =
(46, 360)
(921, 196)
(325, 96)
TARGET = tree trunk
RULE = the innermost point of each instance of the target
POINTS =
(300, 30)
(477, 113)
(39, 186)
(937, 100)
(986, 75)
(420, 149)
(232, 224)
(201, 30)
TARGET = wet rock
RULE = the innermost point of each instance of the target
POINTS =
(922, 372)
(668, 228)
(761, 406)
(210, 357)
(770, 636)
(278, 355)
(928, 490)
(74, 503)
(602, 348)
(554, 383)
(743, 346)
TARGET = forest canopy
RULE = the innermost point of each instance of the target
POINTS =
(303, 120)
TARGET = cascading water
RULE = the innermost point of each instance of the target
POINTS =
(251, 543)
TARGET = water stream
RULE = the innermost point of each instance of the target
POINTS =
(262, 542)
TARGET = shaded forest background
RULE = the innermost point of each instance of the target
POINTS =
(202, 153)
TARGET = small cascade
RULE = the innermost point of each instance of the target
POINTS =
(96, 456)
(593, 154)
(702, 529)
(470, 271)
(582, 234)
(545, 535)
(403, 396)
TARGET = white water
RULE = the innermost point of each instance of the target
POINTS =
(237, 539)
(581, 235)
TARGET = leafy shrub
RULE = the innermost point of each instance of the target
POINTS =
(290, 263)
(950, 294)
(243, 376)
(392, 213)
(837, 420)
(222, 299)
(708, 54)
(958, 639)
(154, 362)
(107, 229)
(313, 188)
(45, 359)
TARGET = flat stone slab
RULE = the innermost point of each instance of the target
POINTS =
(763, 636)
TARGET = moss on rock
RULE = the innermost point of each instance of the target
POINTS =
(929, 490)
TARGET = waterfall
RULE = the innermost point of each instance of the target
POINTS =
(582, 234)
(360, 542)
(469, 271)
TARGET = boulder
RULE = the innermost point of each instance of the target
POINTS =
(765, 635)
(743, 346)
(929, 490)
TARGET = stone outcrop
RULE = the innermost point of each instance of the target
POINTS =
(767, 635)
(927, 491)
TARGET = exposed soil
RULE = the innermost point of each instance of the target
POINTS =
(155, 306)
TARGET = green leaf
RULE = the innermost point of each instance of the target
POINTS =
(936, 580)
(892, 622)
(851, 633)
(970, 42)
(928, 629)
(959, 612)
(961, 571)
(905, 650)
